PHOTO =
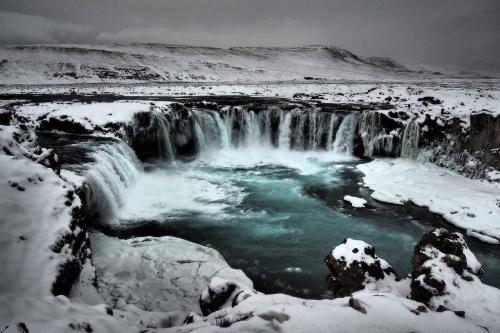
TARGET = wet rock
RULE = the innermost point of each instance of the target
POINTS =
(438, 259)
(354, 265)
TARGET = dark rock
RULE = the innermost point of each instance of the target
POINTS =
(63, 125)
(357, 305)
(22, 328)
(430, 100)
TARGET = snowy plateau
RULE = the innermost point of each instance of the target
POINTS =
(156, 188)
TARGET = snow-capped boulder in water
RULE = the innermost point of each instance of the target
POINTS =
(440, 260)
(355, 266)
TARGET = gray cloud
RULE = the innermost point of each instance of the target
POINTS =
(452, 32)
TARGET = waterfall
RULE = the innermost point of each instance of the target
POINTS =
(209, 130)
(223, 131)
(179, 131)
(312, 116)
(411, 136)
(252, 130)
(284, 131)
(329, 135)
(344, 139)
(165, 148)
(375, 139)
(115, 168)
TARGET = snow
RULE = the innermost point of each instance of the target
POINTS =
(89, 115)
(458, 98)
(493, 175)
(355, 201)
(34, 216)
(469, 204)
(353, 250)
(164, 274)
(55, 64)
(385, 313)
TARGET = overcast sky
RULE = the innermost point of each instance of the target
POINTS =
(464, 33)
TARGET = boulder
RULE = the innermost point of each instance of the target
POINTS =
(440, 259)
(222, 293)
(354, 266)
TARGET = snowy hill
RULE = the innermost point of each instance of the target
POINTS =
(54, 64)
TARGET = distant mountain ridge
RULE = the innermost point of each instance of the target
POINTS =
(135, 63)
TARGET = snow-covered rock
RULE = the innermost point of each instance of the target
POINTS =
(165, 274)
(20, 141)
(355, 201)
(437, 248)
(355, 266)
(222, 293)
(446, 276)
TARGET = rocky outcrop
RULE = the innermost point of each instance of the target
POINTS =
(162, 133)
(439, 260)
(221, 293)
(354, 265)
(20, 141)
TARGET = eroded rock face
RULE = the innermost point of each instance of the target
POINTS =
(354, 265)
(438, 260)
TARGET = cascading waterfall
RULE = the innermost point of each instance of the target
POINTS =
(375, 139)
(284, 131)
(344, 139)
(116, 167)
(329, 137)
(411, 136)
(179, 131)
(164, 145)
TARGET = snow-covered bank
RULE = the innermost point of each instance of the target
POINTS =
(39, 239)
(468, 204)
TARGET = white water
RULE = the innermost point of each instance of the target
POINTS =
(344, 139)
(164, 143)
(284, 135)
(297, 129)
(199, 187)
(373, 134)
(331, 124)
(115, 169)
(411, 136)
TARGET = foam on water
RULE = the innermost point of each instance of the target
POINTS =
(175, 191)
